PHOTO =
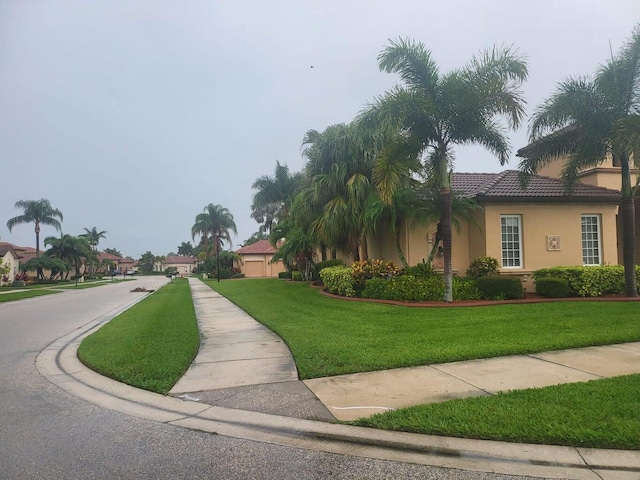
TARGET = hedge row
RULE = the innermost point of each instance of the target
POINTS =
(592, 281)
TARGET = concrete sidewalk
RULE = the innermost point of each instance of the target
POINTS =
(242, 364)
(357, 395)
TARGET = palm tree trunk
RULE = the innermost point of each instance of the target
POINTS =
(365, 248)
(403, 259)
(447, 241)
(627, 209)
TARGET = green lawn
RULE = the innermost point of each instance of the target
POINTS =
(150, 345)
(21, 294)
(597, 414)
(331, 337)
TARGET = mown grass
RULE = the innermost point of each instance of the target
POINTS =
(22, 294)
(331, 337)
(149, 346)
(597, 414)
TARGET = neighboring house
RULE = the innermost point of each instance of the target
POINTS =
(8, 258)
(183, 264)
(256, 260)
(108, 262)
(126, 264)
(525, 229)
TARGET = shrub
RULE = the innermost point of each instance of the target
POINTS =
(552, 287)
(497, 287)
(465, 289)
(375, 288)
(296, 276)
(483, 267)
(420, 270)
(416, 289)
(589, 281)
(284, 274)
(338, 280)
(332, 262)
(367, 269)
(237, 275)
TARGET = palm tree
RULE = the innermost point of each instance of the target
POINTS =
(185, 248)
(585, 121)
(272, 201)
(70, 249)
(93, 236)
(40, 212)
(216, 222)
(434, 112)
(339, 166)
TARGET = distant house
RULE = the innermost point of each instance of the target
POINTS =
(183, 264)
(8, 258)
(108, 262)
(256, 260)
(525, 229)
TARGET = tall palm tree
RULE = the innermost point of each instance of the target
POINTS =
(272, 201)
(40, 212)
(585, 121)
(215, 223)
(93, 236)
(434, 112)
(185, 248)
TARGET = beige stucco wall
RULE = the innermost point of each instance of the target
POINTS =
(258, 265)
(539, 221)
(11, 261)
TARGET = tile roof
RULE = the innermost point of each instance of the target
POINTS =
(505, 186)
(7, 247)
(179, 259)
(258, 248)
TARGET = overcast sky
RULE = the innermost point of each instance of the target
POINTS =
(132, 115)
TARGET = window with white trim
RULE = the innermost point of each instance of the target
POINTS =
(511, 238)
(590, 225)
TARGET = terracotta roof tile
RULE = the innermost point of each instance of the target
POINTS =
(179, 259)
(506, 186)
(260, 247)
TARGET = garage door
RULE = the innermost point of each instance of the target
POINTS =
(254, 269)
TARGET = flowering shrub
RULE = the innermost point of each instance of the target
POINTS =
(364, 270)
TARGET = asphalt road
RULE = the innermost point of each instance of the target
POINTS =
(46, 433)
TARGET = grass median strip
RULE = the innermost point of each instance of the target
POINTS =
(597, 414)
(331, 337)
(149, 346)
(22, 294)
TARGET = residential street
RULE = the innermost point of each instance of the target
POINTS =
(47, 433)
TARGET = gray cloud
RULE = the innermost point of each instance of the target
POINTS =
(132, 116)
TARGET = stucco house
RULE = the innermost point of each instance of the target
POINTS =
(183, 264)
(525, 229)
(9, 258)
(256, 260)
